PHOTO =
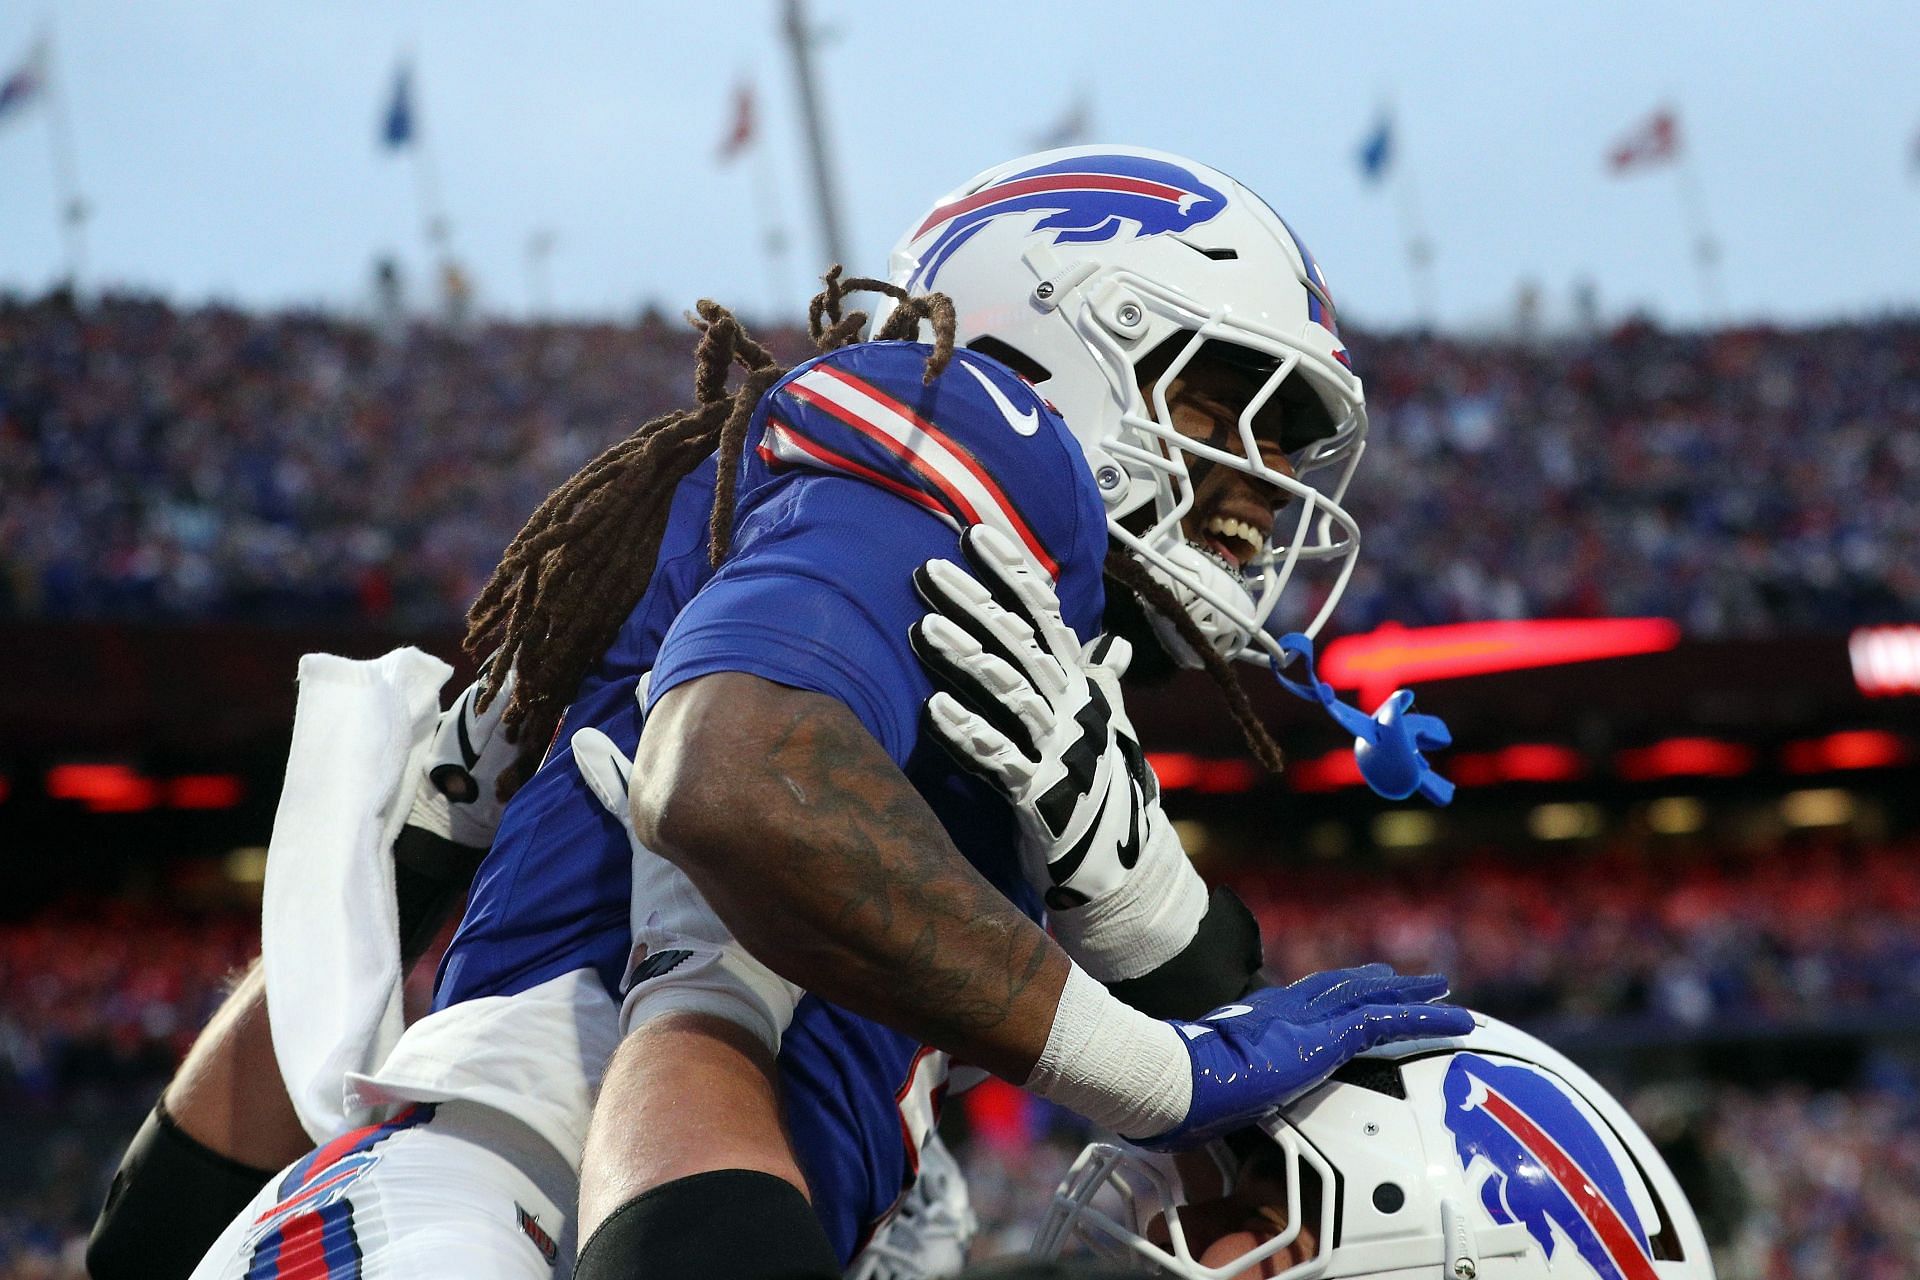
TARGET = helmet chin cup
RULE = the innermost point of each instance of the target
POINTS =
(1223, 635)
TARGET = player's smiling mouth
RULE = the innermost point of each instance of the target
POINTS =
(1233, 539)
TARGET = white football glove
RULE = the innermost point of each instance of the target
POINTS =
(684, 958)
(1020, 703)
(459, 796)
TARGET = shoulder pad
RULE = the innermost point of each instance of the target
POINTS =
(977, 445)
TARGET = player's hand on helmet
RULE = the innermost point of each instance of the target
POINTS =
(458, 797)
(1022, 704)
(1276, 1043)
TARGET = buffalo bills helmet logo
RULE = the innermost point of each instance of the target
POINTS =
(1083, 200)
(1549, 1166)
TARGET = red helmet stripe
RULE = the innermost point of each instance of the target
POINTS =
(1050, 182)
(1613, 1233)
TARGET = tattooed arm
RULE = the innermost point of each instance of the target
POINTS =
(813, 847)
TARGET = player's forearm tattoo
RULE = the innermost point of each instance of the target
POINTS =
(837, 873)
(867, 841)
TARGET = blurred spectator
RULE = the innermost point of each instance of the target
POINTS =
(163, 463)
(1804, 933)
(208, 463)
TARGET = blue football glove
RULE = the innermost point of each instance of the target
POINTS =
(1277, 1043)
(1387, 744)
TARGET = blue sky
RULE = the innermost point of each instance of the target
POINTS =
(229, 149)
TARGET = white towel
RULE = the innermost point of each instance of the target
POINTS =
(329, 917)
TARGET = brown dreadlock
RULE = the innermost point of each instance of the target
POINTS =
(572, 574)
(1127, 572)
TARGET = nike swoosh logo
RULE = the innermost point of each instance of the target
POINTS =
(1230, 1011)
(1022, 423)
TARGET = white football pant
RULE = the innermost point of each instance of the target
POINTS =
(448, 1192)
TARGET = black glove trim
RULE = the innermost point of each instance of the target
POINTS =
(1216, 968)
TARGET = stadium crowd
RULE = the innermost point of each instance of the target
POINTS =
(202, 463)
(102, 992)
(97, 999)
(1804, 932)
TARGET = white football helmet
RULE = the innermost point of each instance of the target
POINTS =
(1488, 1158)
(1090, 269)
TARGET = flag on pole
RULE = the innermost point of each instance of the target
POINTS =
(27, 81)
(1656, 140)
(1073, 126)
(1376, 149)
(740, 132)
(396, 126)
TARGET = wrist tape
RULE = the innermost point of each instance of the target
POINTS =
(1114, 1065)
(1145, 922)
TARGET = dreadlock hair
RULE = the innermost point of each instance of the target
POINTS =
(1131, 575)
(574, 571)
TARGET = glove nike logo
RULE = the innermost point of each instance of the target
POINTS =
(1022, 423)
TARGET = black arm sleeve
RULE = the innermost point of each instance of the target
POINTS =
(169, 1201)
(1220, 965)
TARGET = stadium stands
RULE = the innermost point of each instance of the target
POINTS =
(205, 463)
(97, 998)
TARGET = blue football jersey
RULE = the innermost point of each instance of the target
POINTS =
(855, 473)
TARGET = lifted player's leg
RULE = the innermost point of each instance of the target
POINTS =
(688, 1167)
(225, 1121)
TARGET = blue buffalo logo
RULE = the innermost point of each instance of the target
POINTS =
(1083, 200)
(1547, 1165)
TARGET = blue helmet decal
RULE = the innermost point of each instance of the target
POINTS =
(1082, 200)
(1550, 1166)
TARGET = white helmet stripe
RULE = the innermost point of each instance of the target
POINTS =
(931, 452)
(781, 445)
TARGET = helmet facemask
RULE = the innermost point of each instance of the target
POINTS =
(1155, 516)
(1165, 1214)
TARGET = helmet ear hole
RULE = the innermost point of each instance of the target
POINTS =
(1011, 356)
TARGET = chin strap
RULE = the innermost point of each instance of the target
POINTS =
(1387, 744)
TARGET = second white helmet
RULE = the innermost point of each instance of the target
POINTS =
(1487, 1158)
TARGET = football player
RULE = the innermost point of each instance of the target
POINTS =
(1189, 345)
(225, 1120)
(1476, 1159)
(768, 591)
